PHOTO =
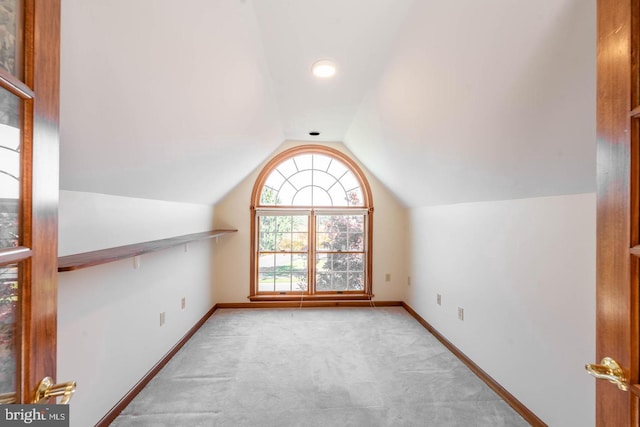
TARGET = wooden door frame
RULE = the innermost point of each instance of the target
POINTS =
(38, 318)
(617, 206)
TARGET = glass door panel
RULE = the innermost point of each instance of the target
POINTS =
(9, 173)
(11, 36)
(8, 330)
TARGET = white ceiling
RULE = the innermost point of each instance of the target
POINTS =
(357, 34)
(444, 101)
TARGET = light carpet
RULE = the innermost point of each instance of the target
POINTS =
(316, 367)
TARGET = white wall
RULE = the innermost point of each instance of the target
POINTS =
(389, 238)
(524, 272)
(108, 316)
(484, 100)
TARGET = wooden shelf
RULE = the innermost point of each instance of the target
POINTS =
(103, 256)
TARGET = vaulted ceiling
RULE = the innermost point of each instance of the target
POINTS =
(444, 101)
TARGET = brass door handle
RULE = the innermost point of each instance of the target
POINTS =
(610, 370)
(47, 390)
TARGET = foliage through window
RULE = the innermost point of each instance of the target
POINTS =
(312, 225)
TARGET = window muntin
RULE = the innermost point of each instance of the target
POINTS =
(312, 180)
(323, 246)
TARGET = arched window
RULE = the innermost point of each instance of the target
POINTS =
(311, 227)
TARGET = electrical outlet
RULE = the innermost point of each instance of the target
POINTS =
(183, 303)
(460, 313)
(387, 277)
(439, 299)
(408, 280)
(162, 318)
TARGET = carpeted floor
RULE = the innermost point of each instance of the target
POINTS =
(316, 367)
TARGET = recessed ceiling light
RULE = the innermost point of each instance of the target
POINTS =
(324, 68)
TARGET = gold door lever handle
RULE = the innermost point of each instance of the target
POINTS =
(47, 390)
(608, 369)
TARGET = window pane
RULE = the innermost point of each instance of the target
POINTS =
(321, 162)
(337, 168)
(300, 224)
(331, 272)
(290, 272)
(287, 168)
(283, 242)
(286, 194)
(283, 285)
(283, 223)
(8, 320)
(283, 233)
(299, 242)
(338, 195)
(323, 272)
(323, 179)
(304, 197)
(323, 241)
(299, 272)
(349, 181)
(268, 196)
(339, 272)
(266, 273)
(340, 263)
(304, 161)
(301, 179)
(355, 197)
(354, 262)
(356, 242)
(321, 197)
(267, 225)
(267, 242)
(340, 233)
(356, 281)
(324, 223)
(274, 180)
(9, 169)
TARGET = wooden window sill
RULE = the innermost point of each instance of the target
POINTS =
(103, 256)
(323, 297)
